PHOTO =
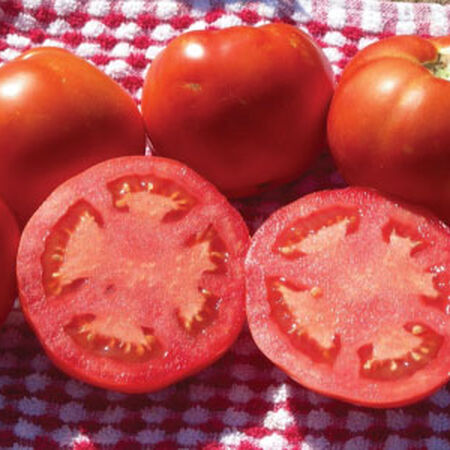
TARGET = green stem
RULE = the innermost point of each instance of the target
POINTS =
(440, 68)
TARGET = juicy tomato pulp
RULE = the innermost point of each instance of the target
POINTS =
(348, 292)
(132, 275)
(9, 239)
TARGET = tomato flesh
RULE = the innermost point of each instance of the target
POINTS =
(138, 282)
(348, 292)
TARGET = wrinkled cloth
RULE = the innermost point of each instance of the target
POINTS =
(242, 401)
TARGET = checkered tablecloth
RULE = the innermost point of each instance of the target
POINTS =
(242, 401)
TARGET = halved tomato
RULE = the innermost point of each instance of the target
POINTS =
(348, 292)
(131, 274)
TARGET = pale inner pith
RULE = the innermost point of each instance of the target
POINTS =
(366, 284)
(104, 262)
(362, 277)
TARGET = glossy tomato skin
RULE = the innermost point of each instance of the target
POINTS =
(58, 116)
(245, 107)
(9, 239)
(132, 298)
(389, 122)
(353, 293)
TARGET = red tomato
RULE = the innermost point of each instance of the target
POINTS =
(131, 274)
(348, 292)
(389, 122)
(58, 116)
(245, 107)
(9, 239)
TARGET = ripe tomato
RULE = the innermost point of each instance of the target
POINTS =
(389, 121)
(9, 239)
(245, 107)
(348, 292)
(58, 116)
(131, 274)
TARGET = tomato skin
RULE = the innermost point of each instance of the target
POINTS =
(58, 116)
(356, 320)
(389, 122)
(186, 358)
(9, 240)
(245, 107)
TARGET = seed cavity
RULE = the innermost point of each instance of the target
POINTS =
(90, 333)
(163, 196)
(441, 284)
(313, 338)
(196, 321)
(406, 365)
(404, 243)
(316, 231)
(215, 247)
(56, 243)
(395, 229)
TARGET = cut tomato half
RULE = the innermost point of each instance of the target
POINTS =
(131, 274)
(348, 293)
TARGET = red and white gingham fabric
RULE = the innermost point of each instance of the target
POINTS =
(243, 401)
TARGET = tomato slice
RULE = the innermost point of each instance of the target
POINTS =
(131, 274)
(348, 293)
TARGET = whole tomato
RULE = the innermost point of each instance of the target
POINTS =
(9, 240)
(245, 107)
(389, 121)
(58, 116)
